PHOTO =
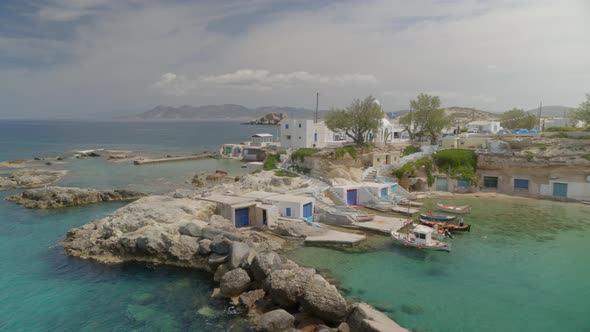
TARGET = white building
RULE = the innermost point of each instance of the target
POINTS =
(296, 133)
(484, 126)
(289, 206)
(262, 139)
(388, 132)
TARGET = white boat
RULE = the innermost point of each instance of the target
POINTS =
(420, 237)
(454, 209)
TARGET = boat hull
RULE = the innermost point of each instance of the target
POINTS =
(438, 217)
(436, 246)
(447, 226)
(454, 209)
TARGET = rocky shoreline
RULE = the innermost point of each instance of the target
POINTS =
(177, 230)
(58, 197)
(30, 177)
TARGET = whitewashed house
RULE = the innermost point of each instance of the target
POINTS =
(388, 132)
(298, 133)
(289, 206)
(484, 126)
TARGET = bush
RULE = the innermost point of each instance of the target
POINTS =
(411, 167)
(410, 149)
(302, 153)
(271, 162)
(341, 152)
(563, 129)
(461, 164)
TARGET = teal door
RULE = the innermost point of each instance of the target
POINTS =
(383, 193)
(559, 189)
(442, 184)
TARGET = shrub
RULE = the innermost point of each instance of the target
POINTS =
(460, 164)
(411, 167)
(586, 156)
(410, 149)
(271, 162)
(341, 152)
(302, 153)
(563, 129)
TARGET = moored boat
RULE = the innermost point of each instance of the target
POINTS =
(447, 226)
(365, 217)
(437, 217)
(454, 209)
(420, 237)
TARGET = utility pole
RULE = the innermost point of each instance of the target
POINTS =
(540, 113)
(317, 102)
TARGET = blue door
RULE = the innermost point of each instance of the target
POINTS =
(315, 137)
(442, 184)
(242, 217)
(307, 210)
(351, 197)
(559, 189)
(384, 193)
(288, 212)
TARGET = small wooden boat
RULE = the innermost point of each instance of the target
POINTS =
(365, 217)
(454, 209)
(437, 217)
(447, 226)
(420, 237)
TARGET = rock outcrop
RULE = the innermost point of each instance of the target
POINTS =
(57, 197)
(30, 177)
(364, 318)
(169, 230)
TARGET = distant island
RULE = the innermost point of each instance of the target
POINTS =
(270, 119)
(263, 115)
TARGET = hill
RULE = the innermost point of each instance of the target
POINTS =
(553, 110)
(465, 115)
(226, 111)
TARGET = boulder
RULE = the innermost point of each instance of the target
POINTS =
(191, 229)
(239, 255)
(221, 245)
(58, 197)
(149, 246)
(184, 249)
(364, 318)
(323, 300)
(276, 321)
(264, 263)
(215, 260)
(204, 247)
(221, 270)
(234, 282)
(249, 298)
(287, 287)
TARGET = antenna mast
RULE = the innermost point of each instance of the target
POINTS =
(540, 113)
(317, 101)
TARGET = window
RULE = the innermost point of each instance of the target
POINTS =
(286, 126)
(288, 136)
(288, 212)
(420, 236)
(300, 125)
(299, 137)
(521, 184)
(490, 182)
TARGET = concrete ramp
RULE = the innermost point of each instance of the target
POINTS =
(332, 237)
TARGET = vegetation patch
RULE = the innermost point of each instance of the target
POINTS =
(410, 149)
(586, 156)
(460, 164)
(271, 161)
(284, 173)
(302, 153)
(411, 167)
(350, 150)
(563, 129)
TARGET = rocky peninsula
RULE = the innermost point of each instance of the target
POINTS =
(30, 177)
(177, 229)
(58, 197)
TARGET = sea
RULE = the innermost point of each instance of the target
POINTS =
(523, 266)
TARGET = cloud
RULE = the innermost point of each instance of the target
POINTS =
(70, 10)
(255, 80)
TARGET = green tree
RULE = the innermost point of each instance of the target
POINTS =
(357, 120)
(518, 118)
(426, 119)
(583, 111)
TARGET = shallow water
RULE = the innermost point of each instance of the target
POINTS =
(41, 289)
(523, 267)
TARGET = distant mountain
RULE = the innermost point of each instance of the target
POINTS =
(226, 111)
(553, 111)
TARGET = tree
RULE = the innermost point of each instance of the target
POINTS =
(426, 119)
(357, 120)
(518, 118)
(583, 111)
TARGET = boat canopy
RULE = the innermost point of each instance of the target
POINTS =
(422, 229)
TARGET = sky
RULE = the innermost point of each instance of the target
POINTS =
(72, 58)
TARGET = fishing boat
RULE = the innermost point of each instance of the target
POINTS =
(454, 209)
(420, 237)
(447, 226)
(437, 217)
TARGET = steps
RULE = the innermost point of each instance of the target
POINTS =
(370, 174)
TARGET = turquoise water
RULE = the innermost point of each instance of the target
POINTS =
(41, 289)
(523, 267)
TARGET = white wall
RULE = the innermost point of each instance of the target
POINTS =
(575, 190)
(296, 208)
(302, 134)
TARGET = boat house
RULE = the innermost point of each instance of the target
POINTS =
(244, 211)
(289, 206)
(262, 139)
